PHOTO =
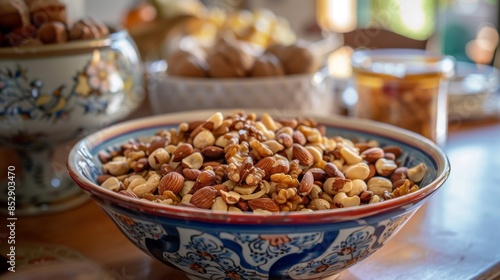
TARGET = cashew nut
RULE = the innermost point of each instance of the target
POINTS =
(385, 167)
(378, 185)
(358, 186)
(112, 184)
(417, 173)
(341, 200)
(350, 156)
(219, 205)
(148, 187)
(357, 171)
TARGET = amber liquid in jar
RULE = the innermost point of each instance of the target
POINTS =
(412, 96)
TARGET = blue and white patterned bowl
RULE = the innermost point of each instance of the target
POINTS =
(214, 245)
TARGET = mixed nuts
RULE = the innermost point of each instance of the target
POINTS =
(241, 162)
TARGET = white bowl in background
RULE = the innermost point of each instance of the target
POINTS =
(302, 93)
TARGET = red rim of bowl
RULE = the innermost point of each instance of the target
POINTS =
(319, 216)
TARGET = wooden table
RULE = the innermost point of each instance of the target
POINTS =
(454, 236)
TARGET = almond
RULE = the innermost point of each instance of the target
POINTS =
(206, 178)
(206, 125)
(400, 182)
(287, 122)
(399, 173)
(306, 184)
(213, 164)
(266, 164)
(333, 171)
(318, 174)
(302, 154)
(165, 169)
(242, 205)
(204, 197)
(172, 181)
(213, 152)
(365, 196)
(371, 155)
(182, 151)
(104, 157)
(373, 171)
(128, 193)
(397, 151)
(299, 137)
(263, 203)
(285, 139)
(194, 124)
(187, 204)
(390, 156)
(157, 142)
(362, 146)
(191, 174)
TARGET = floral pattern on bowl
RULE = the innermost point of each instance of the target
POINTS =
(243, 254)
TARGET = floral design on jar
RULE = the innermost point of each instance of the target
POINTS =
(100, 76)
(95, 90)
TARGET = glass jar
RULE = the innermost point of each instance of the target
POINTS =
(404, 87)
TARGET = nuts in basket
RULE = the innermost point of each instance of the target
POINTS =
(38, 22)
(237, 59)
(240, 162)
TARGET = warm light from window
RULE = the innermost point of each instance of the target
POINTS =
(412, 14)
(410, 18)
(335, 15)
(482, 49)
(339, 62)
(488, 36)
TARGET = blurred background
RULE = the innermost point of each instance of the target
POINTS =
(466, 29)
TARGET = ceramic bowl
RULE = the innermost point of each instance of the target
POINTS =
(301, 92)
(50, 94)
(223, 245)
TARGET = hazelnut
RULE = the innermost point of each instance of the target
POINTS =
(13, 14)
(53, 32)
(229, 61)
(276, 50)
(43, 11)
(267, 65)
(296, 58)
(88, 29)
(186, 64)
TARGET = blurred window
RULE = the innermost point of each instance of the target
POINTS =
(465, 29)
(411, 18)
